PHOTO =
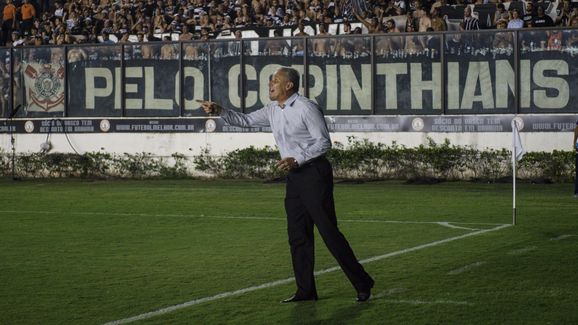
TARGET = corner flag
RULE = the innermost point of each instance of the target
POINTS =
(517, 154)
(518, 150)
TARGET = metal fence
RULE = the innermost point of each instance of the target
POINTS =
(450, 73)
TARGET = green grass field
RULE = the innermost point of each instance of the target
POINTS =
(92, 252)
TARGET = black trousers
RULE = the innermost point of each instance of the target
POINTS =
(6, 32)
(308, 202)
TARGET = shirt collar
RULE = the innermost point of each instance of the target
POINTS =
(290, 101)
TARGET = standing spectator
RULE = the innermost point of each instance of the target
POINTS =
(321, 46)
(186, 35)
(8, 21)
(564, 13)
(168, 50)
(373, 25)
(28, 14)
(438, 24)
(235, 46)
(106, 38)
(470, 22)
(437, 5)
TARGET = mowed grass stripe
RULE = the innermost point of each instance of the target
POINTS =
(289, 280)
(66, 268)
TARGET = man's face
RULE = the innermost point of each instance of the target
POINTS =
(468, 11)
(279, 86)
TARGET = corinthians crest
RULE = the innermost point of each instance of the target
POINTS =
(44, 87)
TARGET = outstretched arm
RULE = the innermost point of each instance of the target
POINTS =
(257, 118)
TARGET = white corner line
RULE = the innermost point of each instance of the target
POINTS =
(223, 295)
(447, 224)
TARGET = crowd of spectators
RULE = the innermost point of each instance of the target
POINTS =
(32, 22)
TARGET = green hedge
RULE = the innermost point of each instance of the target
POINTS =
(362, 159)
(358, 159)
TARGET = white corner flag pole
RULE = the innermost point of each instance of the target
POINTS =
(517, 154)
(514, 131)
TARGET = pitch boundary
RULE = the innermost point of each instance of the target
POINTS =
(448, 224)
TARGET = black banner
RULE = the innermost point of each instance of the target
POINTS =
(415, 74)
(404, 123)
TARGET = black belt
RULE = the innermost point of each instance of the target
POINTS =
(311, 161)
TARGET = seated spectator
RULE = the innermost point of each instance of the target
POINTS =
(529, 14)
(515, 21)
(17, 39)
(501, 14)
(541, 19)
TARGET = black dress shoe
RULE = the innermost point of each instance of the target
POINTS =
(297, 298)
(364, 293)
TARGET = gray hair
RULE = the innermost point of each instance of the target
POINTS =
(292, 75)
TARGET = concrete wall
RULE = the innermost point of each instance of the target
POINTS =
(190, 144)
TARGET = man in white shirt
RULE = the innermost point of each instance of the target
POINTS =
(303, 139)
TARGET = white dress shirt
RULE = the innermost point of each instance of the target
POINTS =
(298, 127)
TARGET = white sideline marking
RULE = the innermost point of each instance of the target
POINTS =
(388, 292)
(522, 250)
(423, 302)
(465, 268)
(563, 237)
(441, 223)
(447, 224)
(289, 280)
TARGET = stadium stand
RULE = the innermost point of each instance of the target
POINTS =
(44, 22)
